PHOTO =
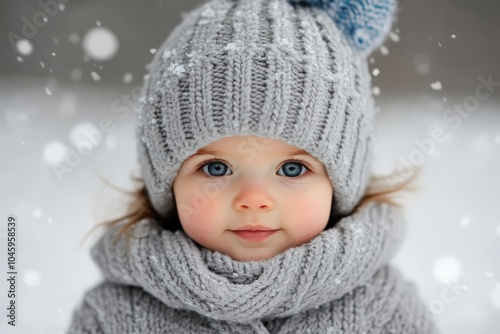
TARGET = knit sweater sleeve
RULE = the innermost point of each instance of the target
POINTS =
(396, 305)
(107, 307)
(110, 307)
(85, 320)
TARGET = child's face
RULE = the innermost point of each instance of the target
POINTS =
(252, 184)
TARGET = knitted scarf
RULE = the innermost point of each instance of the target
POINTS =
(338, 282)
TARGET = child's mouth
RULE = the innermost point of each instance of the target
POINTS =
(254, 235)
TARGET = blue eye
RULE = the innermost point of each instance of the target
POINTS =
(293, 169)
(216, 168)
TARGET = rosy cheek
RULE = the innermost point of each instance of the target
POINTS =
(304, 206)
(309, 211)
(203, 219)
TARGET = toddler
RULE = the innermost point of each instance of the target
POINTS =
(256, 214)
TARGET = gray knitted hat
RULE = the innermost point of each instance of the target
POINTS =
(280, 69)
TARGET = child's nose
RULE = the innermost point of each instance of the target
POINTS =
(254, 198)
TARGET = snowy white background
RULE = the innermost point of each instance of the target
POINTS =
(453, 220)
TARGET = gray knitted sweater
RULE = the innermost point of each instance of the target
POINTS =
(338, 282)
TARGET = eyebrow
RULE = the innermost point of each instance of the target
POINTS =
(203, 151)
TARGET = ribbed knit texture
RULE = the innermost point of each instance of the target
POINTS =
(338, 282)
(269, 68)
(363, 22)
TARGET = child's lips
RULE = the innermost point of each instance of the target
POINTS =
(257, 235)
(255, 228)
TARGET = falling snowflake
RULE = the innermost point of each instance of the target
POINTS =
(394, 37)
(54, 152)
(95, 76)
(100, 43)
(24, 47)
(127, 78)
(32, 278)
(465, 221)
(447, 268)
(436, 85)
(37, 213)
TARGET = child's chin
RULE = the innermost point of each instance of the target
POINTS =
(253, 257)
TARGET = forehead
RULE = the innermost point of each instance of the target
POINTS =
(241, 144)
(292, 151)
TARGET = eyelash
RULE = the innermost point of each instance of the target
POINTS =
(206, 162)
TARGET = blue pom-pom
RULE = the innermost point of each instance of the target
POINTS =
(365, 23)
